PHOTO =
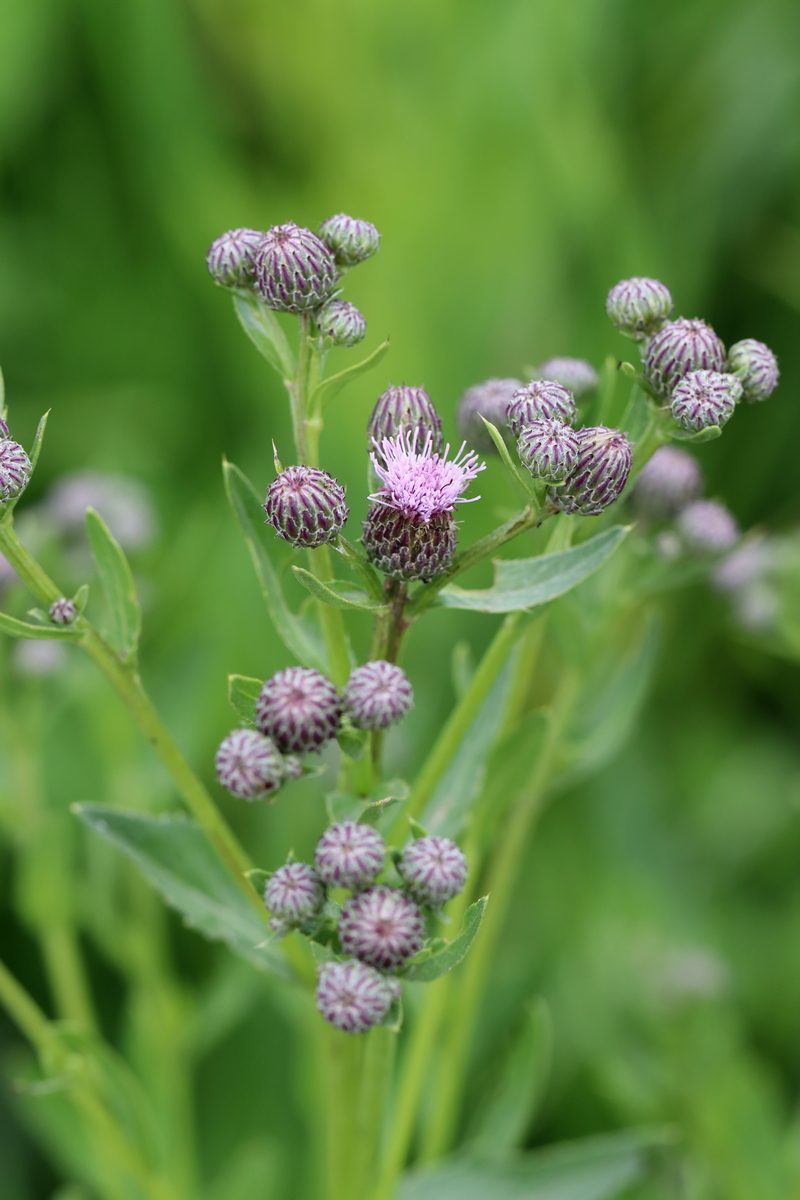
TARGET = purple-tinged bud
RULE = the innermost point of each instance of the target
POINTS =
(349, 239)
(680, 347)
(63, 611)
(409, 548)
(549, 449)
(248, 765)
(294, 893)
(306, 506)
(352, 996)
(407, 410)
(15, 469)
(295, 271)
(490, 400)
(575, 374)
(299, 709)
(639, 306)
(541, 400)
(705, 398)
(599, 475)
(433, 869)
(382, 926)
(350, 855)
(756, 367)
(667, 483)
(377, 695)
(231, 257)
(342, 322)
(707, 527)
(746, 565)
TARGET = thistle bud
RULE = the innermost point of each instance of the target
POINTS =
(350, 855)
(755, 366)
(377, 695)
(575, 374)
(306, 506)
(248, 765)
(707, 527)
(342, 322)
(599, 474)
(294, 893)
(638, 307)
(349, 239)
(231, 257)
(667, 483)
(63, 611)
(549, 449)
(490, 400)
(299, 709)
(680, 347)
(541, 400)
(407, 410)
(352, 996)
(15, 470)
(408, 547)
(433, 869)
(382, 927)
(704, 398)
(295, 271)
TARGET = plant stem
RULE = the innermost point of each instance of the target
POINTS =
(380, 1044)
(331, 620)
(65, 971)
(25, 1012)
(344, 1059)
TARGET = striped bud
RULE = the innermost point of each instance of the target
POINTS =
(231, 257)
(755, 366)
(599, 474)
(408, 547)
(299, 709)
(295, 271)
(342, 322)
(638, 306)
(306, 506)
(549, 449)
(382, 926)
(680, 347)
(704, 398)
(349, 239)
(541, 400)
(408, 410)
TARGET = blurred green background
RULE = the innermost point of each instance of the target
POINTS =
(519, 158)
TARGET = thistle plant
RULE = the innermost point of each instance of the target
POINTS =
(412, 880)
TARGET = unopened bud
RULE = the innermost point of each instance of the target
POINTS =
(433, 869)
(295, 271)
(342, 322)
(377, 695)
(490, 400)
(756, 367)
(638, 306)
(407, 410)
(231, 258)
(704, 398)
(599, 474)
(299, 709)
(63, 611)
(382, 926)
(549, 450)
(349, 239)
(15, 469)
(294, 893)
(248, 765)
(352, 996)
(542, 400)
(667, 483)
(350, 855)
(680, 347)
(306, 506)
(707, 527)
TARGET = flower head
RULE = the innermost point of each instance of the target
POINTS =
(295, 270)
(433, 869)
(704, 398)
(382, 926)
(306, 506)
(248, 765)
(404, 409)
(548, 449)
(231, 257)
(638, 306)
(349, 239)
(377, 695)
(299, 709)
(422, 483)
(63, 611)
(599, 474)
(352, 996)
(342, 322)
(542, 400)
(15, 469)
(350, 855)
(294, 893)
(708, 527)
(679, 347)
(756, 366)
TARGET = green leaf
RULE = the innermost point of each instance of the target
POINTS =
(242, 694)
(261, 326)
(709, 434)
(526, 484)
(372, 581)
(21, 629)
(176, 857)
(249, 513)
(352, 741)
(329, 388)
(629, 370)
(453, 953)
(338, 593)
(598, 1168)
(123, 613)
(521, 583)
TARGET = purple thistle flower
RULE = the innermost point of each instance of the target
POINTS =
(407, 410)
(756, 367)
(295, 270)
(599, 474)
(704, 398)
(707, 527)
(306, 506)
(350, 855)
(63, 611)
(490, 400)
(299, 709)
(382, 926)
(680, 347)
(294, 893)
(349, 239)
(231, 257)
(352, 996)
(667, 483)
(538, 401)
(377, 695)
(422, 483)
(15, 469)
(433, 869)
(549, 449)
(409, 548)
(638, 306)
(248, 765)
(575, 374)
(341, 322)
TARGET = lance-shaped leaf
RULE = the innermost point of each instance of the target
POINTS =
(698, 436)
(524, 480)
(248, 510)
(337, 594)
(329, 388)
(521, 583)
(372, 581)
(452, 954)
(261, 326)
(242, 694)
(22, 629)
(174, 854)
(123, 614)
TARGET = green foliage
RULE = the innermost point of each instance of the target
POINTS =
(123, 614)
(450, 955)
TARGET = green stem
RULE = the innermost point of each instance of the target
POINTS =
(380, 1044)
(25, 1013)
(331, 620)
(344, 1060)
(65, 971)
